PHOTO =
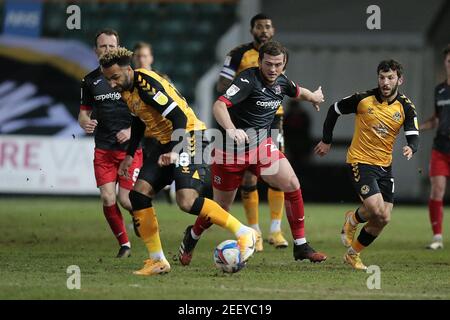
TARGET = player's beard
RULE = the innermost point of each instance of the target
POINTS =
(260, 41)
(126, 85)
(391, 93)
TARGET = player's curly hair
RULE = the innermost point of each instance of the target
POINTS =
(259, 16)
(391, 64)
(121, 56)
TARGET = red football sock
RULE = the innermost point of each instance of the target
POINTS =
(436, 209)
(293, 201)
(200, 225)
(115, 220)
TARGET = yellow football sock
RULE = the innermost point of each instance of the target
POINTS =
(214, 213)
(147, 225)
(276, 203)
(250, 200)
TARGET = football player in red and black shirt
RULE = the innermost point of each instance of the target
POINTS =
(440, 155)
(245, 114)
(106, 115)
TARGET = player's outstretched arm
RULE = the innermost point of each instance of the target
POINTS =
(316, 97)
(430, 123)
(323, 147)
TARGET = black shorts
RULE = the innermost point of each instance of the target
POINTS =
(190, 172)
(149, 146)
(279, 138)
(371, 179)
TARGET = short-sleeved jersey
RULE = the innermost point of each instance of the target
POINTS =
(110, 111)
(377, 124)
(239, 59)
(442, 111)
(152, 99)
(252, 103)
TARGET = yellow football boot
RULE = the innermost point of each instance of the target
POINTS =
(152, 267)
(355, 261)
(277, 240)
(247, 244)
(259, 242)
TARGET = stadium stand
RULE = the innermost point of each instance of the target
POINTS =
(180, 33)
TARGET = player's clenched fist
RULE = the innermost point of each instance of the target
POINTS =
(238, 135)
(167, 159)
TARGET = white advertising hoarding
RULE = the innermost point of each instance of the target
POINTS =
(45, 165)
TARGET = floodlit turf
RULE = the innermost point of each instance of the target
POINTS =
(42, 237)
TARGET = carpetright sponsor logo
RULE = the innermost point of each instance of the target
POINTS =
(111, 96)
(269, 104)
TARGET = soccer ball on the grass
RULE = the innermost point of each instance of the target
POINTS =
(227, 257)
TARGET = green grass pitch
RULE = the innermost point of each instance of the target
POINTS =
(41, 237)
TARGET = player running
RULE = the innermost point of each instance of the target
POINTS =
(245, 113)
(103, 113)
(440, 155)
(160, 111)
(237, 60)
(380, 113)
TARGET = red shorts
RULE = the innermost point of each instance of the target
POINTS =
(106, 166)
(227, 171)
(439, 164)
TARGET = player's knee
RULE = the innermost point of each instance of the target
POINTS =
(384, 219)
(249, 180)
(185, 203)
(376, 210)
(108, 198)
(290, 184)
(437, 192)
(246, 189)
(139, 201)
(225, 205)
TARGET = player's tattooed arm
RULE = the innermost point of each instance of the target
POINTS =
(430, 123)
